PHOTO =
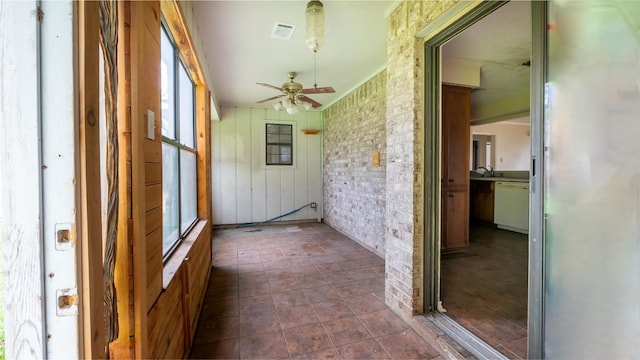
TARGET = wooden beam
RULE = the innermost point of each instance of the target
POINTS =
(203, 146)
(122, 347)
(91, 234)
(176, 21)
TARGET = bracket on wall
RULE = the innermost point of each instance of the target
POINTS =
(310, 131)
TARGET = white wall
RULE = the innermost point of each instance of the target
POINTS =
(244, 189)
(512, 144)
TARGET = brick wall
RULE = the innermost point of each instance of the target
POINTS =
(354, 189)
(405, 160)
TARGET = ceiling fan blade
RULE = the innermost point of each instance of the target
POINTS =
(269, 99)
(270, 86)
(319, 90)
(313, 103)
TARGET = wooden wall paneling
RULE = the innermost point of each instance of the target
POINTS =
(153, 249)
(301, 186)
(91, 244)
(153, 220)
(153, 195)
(186, 307)
(258, 174)
(152, 173)
(270, 191)
(243, 162)
(314, 161)
(165, 324)
(199, 266)
(153, 148)
(287, 194)
(228, 168)
(274, 196)
(145, 90)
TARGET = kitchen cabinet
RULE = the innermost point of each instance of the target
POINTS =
(482, 200)
(456, 115)
(455, 226)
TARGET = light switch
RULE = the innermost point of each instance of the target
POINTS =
(151, 125)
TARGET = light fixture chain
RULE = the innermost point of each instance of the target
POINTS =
(315, 69)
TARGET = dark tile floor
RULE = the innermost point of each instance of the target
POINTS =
(306, 292)
(485, 289)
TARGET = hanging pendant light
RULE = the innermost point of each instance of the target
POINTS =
(315, 25)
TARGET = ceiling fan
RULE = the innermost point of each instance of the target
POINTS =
(295, 95)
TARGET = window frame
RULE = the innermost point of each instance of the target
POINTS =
(174, 76)
(294, 139)
(279, 143)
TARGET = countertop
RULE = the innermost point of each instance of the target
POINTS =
(499, 178)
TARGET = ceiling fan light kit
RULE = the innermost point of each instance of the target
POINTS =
(293, 91)
(295, 95)
(314, 25)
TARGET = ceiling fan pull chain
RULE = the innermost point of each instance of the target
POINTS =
(315, 69)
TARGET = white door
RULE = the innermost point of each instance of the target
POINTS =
(59, 153)
(38, 168)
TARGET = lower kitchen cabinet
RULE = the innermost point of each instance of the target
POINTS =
(482, 200)
(455, 230)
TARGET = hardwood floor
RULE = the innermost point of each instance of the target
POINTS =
(485, 288)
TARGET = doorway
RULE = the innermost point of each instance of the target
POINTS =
(479, 293)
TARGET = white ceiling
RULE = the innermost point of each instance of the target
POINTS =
(501, 43)
(240, 51)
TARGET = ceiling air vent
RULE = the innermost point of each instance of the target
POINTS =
(282, 31)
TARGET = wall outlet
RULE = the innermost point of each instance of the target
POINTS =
(313, 205)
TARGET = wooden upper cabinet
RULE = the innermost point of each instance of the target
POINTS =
(456, 116)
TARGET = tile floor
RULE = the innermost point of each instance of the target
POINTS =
(485, 289)
(306, 292)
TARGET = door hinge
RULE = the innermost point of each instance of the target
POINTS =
(67, 302)
(39, 14)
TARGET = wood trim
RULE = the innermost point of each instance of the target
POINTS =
(174, 18)
(203, 147)
(138, 129)
(91, 226)
(109, 42)
(122, 347)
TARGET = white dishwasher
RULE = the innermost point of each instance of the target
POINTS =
(511, 207)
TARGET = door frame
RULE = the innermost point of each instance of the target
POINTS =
(458, 20)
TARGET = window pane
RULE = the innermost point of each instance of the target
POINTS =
(188, 189)
(285, 155)
(170, 206)
(285, 139)
(186, 107)
(167, 85)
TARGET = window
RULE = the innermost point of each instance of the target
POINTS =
(279, 144)
(179, 183)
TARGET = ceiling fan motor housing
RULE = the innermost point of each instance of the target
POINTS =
(291, 87)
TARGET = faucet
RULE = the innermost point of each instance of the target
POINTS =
(487, 171)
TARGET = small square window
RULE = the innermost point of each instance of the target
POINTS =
(279, 144)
